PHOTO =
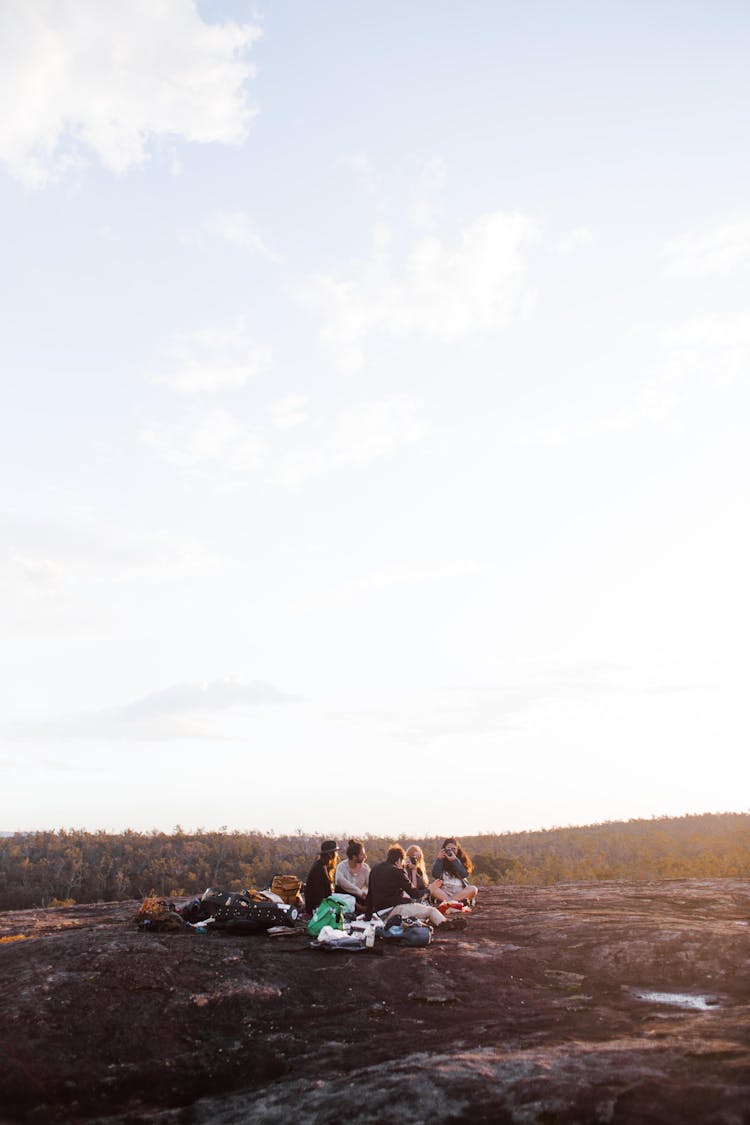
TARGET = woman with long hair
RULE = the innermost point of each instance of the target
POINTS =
(416, 870)
(450, 874)
(319, 882)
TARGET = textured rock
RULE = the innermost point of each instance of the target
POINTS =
(601, 1002)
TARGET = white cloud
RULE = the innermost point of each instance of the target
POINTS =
(166, 714)
(360, 165)
(716, 331)
(212, 360)
(695, 358)
(466, 711)
(719, 249)
(37, 569)
(440, 292)
(363, 432)
(541, 434)
(41, 555)
(205, 441)
(289, 411)
(78, 76)
(372, 429)
(215, 695)
(216, 443)
(574, 240)
(237, 228)
(53, 575)
(710, 347)
(357, 589)
(426, 208)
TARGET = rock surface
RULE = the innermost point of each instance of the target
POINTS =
(591, 1002)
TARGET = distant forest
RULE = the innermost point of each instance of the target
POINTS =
(40, 869)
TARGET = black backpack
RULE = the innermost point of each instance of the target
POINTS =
(194, 911)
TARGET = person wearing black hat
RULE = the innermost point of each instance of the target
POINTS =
(319, 882)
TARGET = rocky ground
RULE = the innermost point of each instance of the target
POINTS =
(591, 1002)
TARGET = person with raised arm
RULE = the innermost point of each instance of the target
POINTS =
(389, 883)
(450, 874)
(416, 871)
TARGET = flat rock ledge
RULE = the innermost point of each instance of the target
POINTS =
(585, 1002)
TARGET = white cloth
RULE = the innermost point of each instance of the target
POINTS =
(328, 933)
(418, 910)
(359, 925)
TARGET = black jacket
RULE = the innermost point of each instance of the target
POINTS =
(451, 867)
(317, 886)
(387, 886)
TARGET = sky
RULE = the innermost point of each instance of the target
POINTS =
(374, 414)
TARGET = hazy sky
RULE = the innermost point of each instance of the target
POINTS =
(375, 413)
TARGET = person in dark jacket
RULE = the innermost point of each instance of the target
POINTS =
(389, 884)
(319, 882)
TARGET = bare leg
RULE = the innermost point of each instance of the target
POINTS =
(466, 893)
(436, 890)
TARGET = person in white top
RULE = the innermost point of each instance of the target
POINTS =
(353, 874)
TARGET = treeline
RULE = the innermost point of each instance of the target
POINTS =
(40, 869)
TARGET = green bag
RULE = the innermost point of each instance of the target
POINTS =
(329, 913)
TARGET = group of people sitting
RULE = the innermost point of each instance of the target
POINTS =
(400, 878)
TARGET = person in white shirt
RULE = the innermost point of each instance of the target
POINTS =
(353, 874)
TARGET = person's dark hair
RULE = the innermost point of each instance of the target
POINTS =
(353, 848)
(395, 853)
(460, 853)
(328, 850)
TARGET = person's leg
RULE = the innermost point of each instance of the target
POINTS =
(420, 910)
(436, 890)
(467, 894)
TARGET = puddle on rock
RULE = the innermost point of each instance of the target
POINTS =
(678, 999)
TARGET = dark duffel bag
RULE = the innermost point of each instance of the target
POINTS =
(239, 914)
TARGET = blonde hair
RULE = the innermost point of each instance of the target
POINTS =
(410, 851)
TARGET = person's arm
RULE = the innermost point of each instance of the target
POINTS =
(457, 868)
(406, 885)
(345, 883)
(437, 868)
